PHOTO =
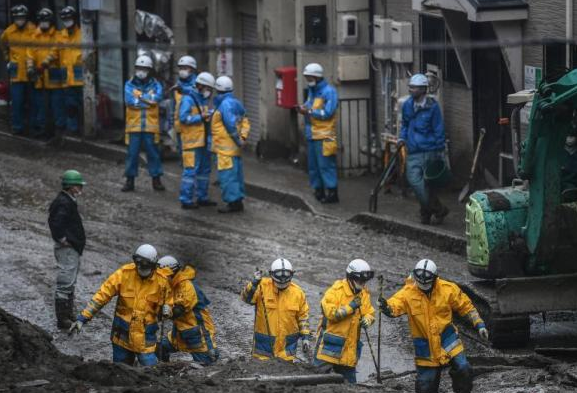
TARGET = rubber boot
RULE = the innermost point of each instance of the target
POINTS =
(157, 184)
(62, 313)
(129, 185)
(332, 196)
(191, 206)
(320, 194)
(233, 207)
(438, 210)
(425, 214)
(206, 203)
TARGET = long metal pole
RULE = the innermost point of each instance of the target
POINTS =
(379, 380)
(266, 320)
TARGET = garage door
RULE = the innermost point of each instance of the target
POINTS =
(250, 80)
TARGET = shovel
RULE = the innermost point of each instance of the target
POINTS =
(466, 191)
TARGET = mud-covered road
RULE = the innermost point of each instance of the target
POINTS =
(225, 249)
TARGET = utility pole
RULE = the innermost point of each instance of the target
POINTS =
(88, 17)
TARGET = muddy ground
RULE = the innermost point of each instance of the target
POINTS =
(225, 250)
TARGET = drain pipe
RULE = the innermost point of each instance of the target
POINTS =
(569, 31)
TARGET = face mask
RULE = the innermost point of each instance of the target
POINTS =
(312, 83)
(356, 286)
(20, 22)
(144, 272)
(281, 286)
(183, 74)
(141, 74)
(44, 25)
(68, 23)
(206, 93)
(571, 141)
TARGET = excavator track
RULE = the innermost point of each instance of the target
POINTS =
(506, 331)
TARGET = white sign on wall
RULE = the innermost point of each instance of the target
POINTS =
(533, 77)
(224, 57)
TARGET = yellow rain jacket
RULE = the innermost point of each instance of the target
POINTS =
(288, 319)
(139, 302)
(141, 99)
(194, 331)
(52, 77)
(192, 126)
(339, 335)
(435, 337)
(71, 58)
(16, 55)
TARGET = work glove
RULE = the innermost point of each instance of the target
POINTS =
(306, 345)
(9, 66)
(355, 303)
(166, 311)
(213, 354)
(484, 333)
(367, 321)
(76, 327)
(384, 307)
(31, 72)
(257, 276)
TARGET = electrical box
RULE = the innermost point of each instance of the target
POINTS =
(402, 34)
(92, 5)
(353, 68)
(286, 87)
(382, 36)
(348, 30)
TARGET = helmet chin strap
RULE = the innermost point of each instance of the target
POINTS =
(354, 286)
(144, 273)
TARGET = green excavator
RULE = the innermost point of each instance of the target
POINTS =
(522, 240)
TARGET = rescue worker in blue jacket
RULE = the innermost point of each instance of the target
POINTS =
(20, 30)
(229, 128)
(423, 133)
(142, 95)
(184, 85)
(196, 157)
(320, 111)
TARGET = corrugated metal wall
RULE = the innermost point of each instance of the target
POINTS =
(250, 78)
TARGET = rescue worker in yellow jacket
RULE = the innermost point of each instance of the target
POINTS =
(193, 329)
(143, 293)
(43, 68)
(346, 308)
(21, 30)
(429, 302)
(281, 313)
(71, 63)
(142, 94)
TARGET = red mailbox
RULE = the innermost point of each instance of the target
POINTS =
(286, 87)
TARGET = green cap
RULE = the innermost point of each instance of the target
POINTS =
(72, 178)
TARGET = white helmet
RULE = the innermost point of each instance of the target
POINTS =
(359, 270)
(146, 252)
(223, 84)
(424, 274)
(419, 80)
(143, 61)
(169, 262)
(313, 69)
(205, 79)
(281, 272)
(187, 61)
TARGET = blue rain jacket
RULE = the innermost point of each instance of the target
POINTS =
(423, 130)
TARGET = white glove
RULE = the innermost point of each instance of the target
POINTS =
(166, 311)
(484, 334)
(306, 345)
(257, 276)
(76, 327)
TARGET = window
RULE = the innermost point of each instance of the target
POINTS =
(316, 24)
(554, 65)
(433, 30)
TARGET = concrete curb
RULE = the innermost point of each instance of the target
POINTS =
(435, 238)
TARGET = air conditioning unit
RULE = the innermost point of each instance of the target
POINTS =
(402, 34)
(382, 36)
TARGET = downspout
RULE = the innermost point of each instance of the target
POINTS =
(569, 31)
